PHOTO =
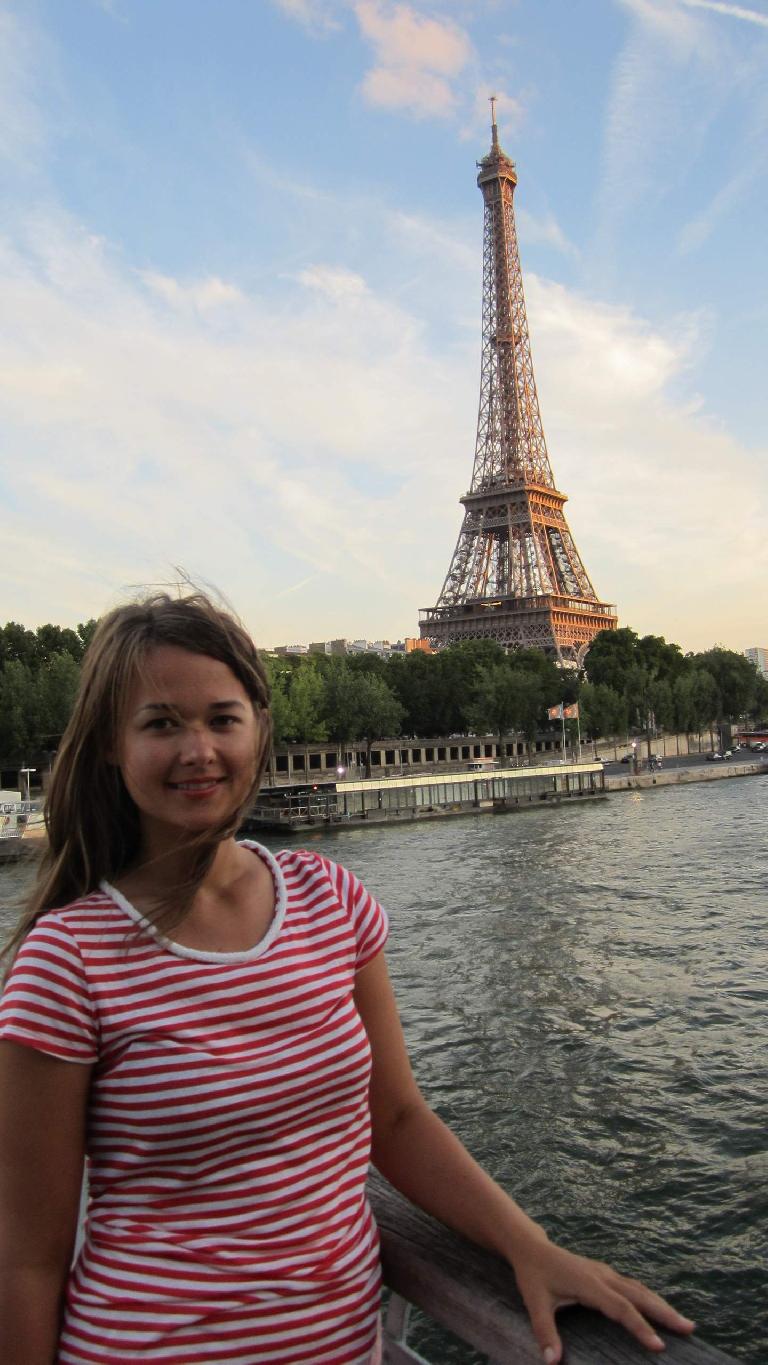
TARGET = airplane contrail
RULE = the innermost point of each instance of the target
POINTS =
(733, 11)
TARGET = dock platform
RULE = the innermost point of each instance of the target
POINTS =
(423, 796)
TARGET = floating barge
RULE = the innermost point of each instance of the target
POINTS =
(354, 801)
(14, 814)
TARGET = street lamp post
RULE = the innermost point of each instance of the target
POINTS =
(27, 772)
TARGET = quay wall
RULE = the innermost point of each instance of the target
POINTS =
(672, 777)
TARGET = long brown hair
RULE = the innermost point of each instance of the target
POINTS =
(93, 823)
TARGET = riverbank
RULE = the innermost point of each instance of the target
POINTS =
(421, 797)
(671, 777)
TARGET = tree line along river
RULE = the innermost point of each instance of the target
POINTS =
(584, 995)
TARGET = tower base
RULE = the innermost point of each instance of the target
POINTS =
(563, 627)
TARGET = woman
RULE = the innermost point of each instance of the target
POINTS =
(214, 1027)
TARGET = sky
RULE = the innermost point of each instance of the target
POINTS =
(240, 300)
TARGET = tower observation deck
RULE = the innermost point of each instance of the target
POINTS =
(516, 575)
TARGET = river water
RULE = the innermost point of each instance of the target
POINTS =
(584, 995)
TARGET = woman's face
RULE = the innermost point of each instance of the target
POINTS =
(188, 745)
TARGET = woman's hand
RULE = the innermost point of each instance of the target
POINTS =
(549, 1278)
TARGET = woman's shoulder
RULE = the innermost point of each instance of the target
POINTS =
(97, 909)
(300, 861)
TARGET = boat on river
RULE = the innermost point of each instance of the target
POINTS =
(389, 800)
(14, 815)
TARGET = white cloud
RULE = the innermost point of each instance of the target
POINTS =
(416, 58)
(418, 91)
(145, 432)
(649, 479)
(317, 16)
(671, 79)
(668, 20)
(544, 229)
(202, 295)
(323, 440)
(727, 197)
(434, 239)
(334, 283)
(23, 57)
(402, 37)
(306, 451)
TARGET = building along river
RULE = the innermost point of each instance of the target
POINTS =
(585, 998)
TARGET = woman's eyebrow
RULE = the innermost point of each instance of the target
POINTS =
(214, 706)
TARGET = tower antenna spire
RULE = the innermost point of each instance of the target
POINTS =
(494, 129)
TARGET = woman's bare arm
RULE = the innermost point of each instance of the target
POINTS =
(421, 1157)
(42, 1132)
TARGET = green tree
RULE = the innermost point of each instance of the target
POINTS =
(661, 703)
(684, 717)
(611, 657)
(342, 710)
(379, 713)
(280, 706)
(18, 712)
(662, 661)
(643, 671)
(416, 682)
(459, 670)
(56, 687)
(507, 699)
(603, 711)
(52, 640)
(307, 700)
(759, 708)
(17, 644)
(705, 699)
(85, 631)
(735, 678)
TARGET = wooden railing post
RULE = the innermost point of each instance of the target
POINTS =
(472, 1293)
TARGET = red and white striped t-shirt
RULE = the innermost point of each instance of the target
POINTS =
(228, 1129)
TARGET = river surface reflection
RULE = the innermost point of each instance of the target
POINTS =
(584, 995)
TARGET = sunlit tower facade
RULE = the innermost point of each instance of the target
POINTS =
(516, 575)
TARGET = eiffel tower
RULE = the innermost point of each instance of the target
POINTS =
(516, 575)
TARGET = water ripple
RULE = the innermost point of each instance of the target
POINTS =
(585, 1000)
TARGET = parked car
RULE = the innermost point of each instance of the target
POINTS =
(626, 758)
(713, 757)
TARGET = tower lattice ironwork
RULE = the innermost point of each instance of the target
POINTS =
(516, 575)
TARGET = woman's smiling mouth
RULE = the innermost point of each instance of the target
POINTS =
(201, 786)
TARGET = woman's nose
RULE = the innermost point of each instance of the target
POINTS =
(197, 744)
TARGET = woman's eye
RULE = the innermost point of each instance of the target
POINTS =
(159, 723)
(224, 722)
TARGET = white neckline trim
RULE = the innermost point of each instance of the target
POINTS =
(199, 954)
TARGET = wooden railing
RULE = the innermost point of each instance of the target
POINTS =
(472, 1293)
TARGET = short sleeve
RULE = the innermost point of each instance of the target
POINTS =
(369, 919)
(46, 1003)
